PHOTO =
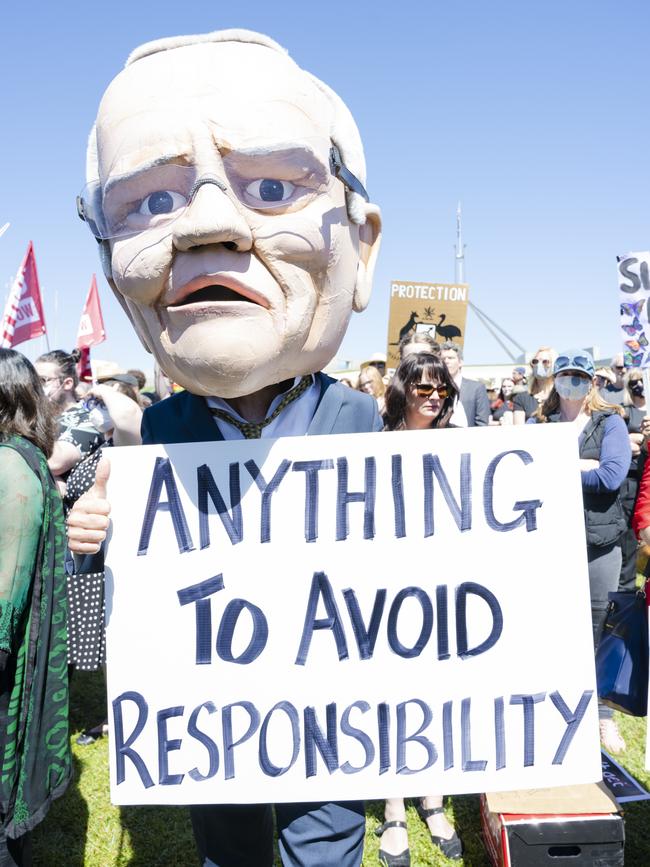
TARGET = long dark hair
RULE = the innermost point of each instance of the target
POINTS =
(24, 408)
(410, 371)
(66, 362)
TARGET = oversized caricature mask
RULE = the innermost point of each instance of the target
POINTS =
(226, 188)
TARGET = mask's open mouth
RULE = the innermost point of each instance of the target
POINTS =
(214, 292)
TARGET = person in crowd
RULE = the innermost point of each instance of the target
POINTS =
(518, 376)
(376, 360)
(35, 761)
(604, 459)
(371, 382)
(540, 385)
(418, 341)
(614, 392)
(603, 376)
(140, 383)
(77, 435)
(635, 413)
(472, 395)
(115, 410)
(421, 396)
(252, 375)
(503, 405)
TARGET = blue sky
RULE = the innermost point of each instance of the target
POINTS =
(533, 114)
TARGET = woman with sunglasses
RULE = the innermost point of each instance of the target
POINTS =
(421, 395)
(605, 454)
(540, 383)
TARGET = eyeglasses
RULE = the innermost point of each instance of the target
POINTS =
(46, 380)
(544, 361)
(426, 389)
(260, 175)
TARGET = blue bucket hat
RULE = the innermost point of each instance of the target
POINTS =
(578, 360)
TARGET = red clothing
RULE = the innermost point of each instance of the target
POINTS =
(641, 517)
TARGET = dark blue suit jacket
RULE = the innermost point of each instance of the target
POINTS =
(316, 834)
(185, 418)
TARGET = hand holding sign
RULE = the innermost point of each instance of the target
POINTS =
(88, 521)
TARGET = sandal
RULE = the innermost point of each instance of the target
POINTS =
(385, 858)
(451, 847)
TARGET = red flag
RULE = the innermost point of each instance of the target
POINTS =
(23, 317)
(83, 365)
(91, 325)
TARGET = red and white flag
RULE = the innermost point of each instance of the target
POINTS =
(23, 317)
(91, 325)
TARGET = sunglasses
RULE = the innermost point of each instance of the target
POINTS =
(544, 361)
(575, 362)
(426, 389)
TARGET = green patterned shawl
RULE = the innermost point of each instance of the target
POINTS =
(35, 762)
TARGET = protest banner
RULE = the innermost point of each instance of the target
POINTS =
(341, 617)
(439, 309)
(634, 293)
(91, 331)
(23, 316)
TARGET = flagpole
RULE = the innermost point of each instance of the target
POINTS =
(46, 335)
(56, 317)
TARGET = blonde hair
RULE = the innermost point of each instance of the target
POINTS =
(593, 403)
(375, 377)
(536, 385)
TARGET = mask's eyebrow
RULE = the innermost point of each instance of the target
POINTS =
(280, 153)
(165, 160)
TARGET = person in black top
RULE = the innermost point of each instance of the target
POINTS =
(540, 385)
(636, 411)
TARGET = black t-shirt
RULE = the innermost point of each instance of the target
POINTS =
(525, 401)
(76, 428)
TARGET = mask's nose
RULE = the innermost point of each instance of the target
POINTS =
(211, 218)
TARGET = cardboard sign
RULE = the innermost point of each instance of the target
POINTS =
(623, 786)
(439, 309)
(342, 617)
(634, 293)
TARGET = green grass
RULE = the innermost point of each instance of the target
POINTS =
(84, 829)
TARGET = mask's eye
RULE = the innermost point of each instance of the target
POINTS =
(162, 202)
(270, 190)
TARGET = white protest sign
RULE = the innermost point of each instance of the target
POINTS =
(634, 294)
(342, 617)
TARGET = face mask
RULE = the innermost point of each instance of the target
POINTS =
(53, 390)
(572, 387)
(637, 388)
(100, 419)
(542, 372)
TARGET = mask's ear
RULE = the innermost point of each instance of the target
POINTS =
(105, 258)
(369, 243)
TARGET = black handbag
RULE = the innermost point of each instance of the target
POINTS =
(622, 655)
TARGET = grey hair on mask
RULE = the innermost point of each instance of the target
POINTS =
(343, 130)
